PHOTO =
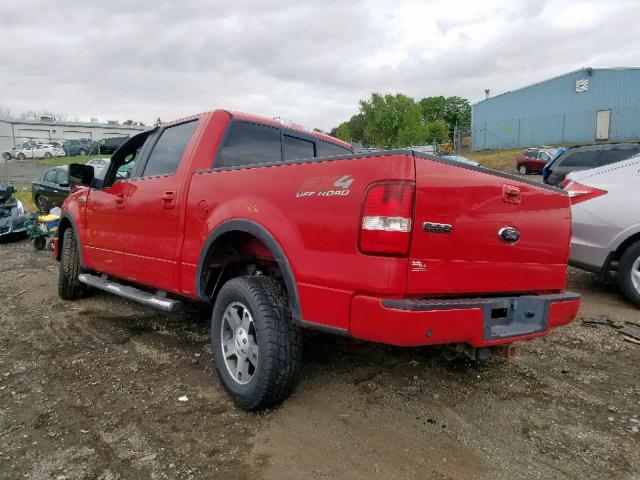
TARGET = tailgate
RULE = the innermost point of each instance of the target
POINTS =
(479, 231)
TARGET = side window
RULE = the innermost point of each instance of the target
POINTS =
(62, 176)
(615, 155)
(50, 176)
(581, 159)
(326, 149)
(167, 152)
(295, 148)
(250, 144)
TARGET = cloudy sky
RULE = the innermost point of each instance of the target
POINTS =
(309, 61)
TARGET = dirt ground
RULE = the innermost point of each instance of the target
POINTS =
(91, 390)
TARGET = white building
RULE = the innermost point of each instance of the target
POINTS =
(14, 132)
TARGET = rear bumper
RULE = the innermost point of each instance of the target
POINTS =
(479, 322)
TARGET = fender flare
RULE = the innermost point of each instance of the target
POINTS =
(66, 216)
(261, 233)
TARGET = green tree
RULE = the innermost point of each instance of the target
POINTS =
(392, 121)
(342, 132)
(458, 111)
(433, 108)
(437, 131)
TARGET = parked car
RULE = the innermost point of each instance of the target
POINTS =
(460, 158)
(402, 247)
(51, 188)
(585, 157)
(79, 147)
(13, 213)
(606, 222)
(533, 160)
(110, 145)
(11, 153)
(100, 166)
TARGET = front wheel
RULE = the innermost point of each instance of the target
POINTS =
(523, 170)
(69, 287)
(629, 273)
(47, 155)
(21, 156)
(82, 153)
(255, 343)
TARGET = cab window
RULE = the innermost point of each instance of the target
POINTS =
(168, 150)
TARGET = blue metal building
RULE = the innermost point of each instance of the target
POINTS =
(585, 106)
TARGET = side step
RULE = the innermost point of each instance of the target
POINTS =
(132, 293)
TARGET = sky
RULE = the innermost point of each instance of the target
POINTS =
(309, 62)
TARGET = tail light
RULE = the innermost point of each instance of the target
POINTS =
(581, 193)
(387, 218)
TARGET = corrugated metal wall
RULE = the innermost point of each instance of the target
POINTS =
(551, 112)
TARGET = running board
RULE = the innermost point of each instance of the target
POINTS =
(158, 301)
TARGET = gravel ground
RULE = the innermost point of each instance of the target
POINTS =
(92, 390)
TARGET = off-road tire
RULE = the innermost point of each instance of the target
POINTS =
(69, 287)
(523, 170)
(278, 337)
(627, 261)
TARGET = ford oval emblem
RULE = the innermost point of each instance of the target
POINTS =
(509, 234)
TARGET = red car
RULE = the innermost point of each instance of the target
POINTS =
(281, 229)
(533, 160)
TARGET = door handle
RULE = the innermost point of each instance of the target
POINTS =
(168, 198)
(120, 201)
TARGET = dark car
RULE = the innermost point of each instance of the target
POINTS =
(51, 188)
(84, 146)
(586, 157)
(110, 145)
(533, 160)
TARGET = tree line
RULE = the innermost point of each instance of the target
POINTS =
(395, 121)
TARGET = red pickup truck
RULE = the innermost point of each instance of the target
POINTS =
(280, 229)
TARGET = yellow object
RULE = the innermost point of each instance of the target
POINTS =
(48, 218)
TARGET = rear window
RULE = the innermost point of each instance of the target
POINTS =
(616, 154)
(326, 149)
(580, 159)
(295, 148)
(250, 144)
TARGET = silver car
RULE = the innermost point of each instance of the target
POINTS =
(100, 167)
(606, 222)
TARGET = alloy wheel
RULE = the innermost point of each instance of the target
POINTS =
(239, 343)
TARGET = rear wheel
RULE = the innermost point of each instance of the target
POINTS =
(255, 343)
(69, 287)
(82, 152)
(629, 273)
(523, 170)
(21, 156)
(47, 155)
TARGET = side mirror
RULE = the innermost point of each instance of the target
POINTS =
(80, 174)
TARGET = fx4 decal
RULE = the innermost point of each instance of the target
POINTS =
(326, 186)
